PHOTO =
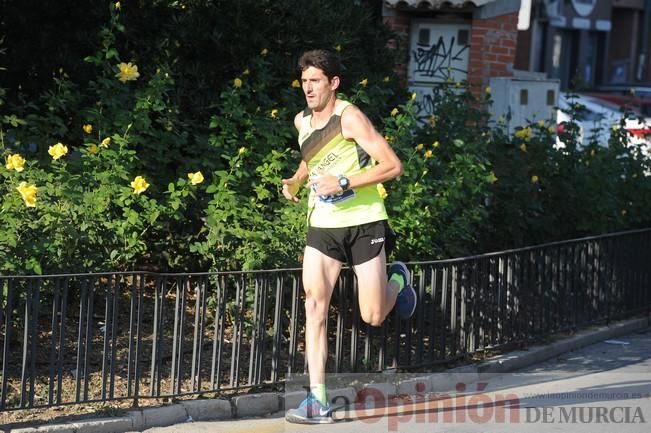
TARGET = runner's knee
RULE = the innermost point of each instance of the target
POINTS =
(315, 308)
(372, 316)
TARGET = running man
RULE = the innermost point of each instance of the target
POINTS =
(344, 158)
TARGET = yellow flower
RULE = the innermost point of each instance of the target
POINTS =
(242, 151)
(128, 72)
(386, 79)
(388, 138)
(413, 96)
(501, 119)
(296, 84)
(551, 130)
(436, 144)
(246, 72)
(118, 6)
(491, 177)
(92, 148)
(264, 52)
(524, 133)
(274, 113)
(364, 82)
(237, 83)
(382, 191)
(195, 178)
(428, 154)
(394, 112)
(15, 162)
(338, 48)
(534, 179)
(88, 128)
(419, 146)
(57, 151)
(541, 123)
(488, 90)
(139, 185)
(106, 142)
(28, 193)
(523, 147)
(432, 121)
(624, 212)
(592, 152)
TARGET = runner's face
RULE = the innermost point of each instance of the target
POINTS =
(317, 88)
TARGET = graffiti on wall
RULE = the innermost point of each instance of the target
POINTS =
(442, 61)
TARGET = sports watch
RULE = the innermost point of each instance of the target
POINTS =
(344, 183)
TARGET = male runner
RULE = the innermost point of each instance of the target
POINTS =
(343, 159)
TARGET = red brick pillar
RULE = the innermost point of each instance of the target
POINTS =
(400, 25)
(492, 49)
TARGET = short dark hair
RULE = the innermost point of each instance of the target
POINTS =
(325, 60)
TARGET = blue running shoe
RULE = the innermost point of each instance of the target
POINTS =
(310, 411)
(406, 301)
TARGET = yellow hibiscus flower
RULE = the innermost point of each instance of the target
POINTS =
(524, 133)
(106, 142)
(57, 151)
(127, 72)
(296, 84)
(382, 191)
(139, 185)
(491, 177)
(92, 148)
(195, 178)
(237, 83)
(364, 82)
(28, 193)
(88, 128)
(15, 162)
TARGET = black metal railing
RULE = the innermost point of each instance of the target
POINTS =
(75, 338)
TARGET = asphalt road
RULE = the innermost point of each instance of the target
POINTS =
(605, 387)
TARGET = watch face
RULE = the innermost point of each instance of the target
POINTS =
(343, 182)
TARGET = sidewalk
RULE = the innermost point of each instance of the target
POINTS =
(257, 405)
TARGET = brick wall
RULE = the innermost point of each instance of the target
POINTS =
(400, 25)
(492, 49)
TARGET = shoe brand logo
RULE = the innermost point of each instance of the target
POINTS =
(376, 241)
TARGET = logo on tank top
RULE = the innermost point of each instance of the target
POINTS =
(376, 241)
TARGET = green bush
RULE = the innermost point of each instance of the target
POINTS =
(211, 139)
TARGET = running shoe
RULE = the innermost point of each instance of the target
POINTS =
(310, 411)
(406, 301)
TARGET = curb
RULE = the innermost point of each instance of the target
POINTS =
(256, 405)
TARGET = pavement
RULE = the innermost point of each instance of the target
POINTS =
(595, 381)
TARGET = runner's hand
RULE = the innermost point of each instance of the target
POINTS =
(290, 189)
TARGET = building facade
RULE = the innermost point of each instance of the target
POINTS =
(585, 44)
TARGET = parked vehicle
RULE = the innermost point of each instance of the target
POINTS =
(596, 117)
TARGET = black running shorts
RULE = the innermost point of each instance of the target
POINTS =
(355, 244)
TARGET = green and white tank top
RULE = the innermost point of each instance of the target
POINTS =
(326, 151)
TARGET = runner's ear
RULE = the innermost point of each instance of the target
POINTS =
(334, 83)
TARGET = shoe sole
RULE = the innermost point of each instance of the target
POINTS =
(411, 313)
(300, 420)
